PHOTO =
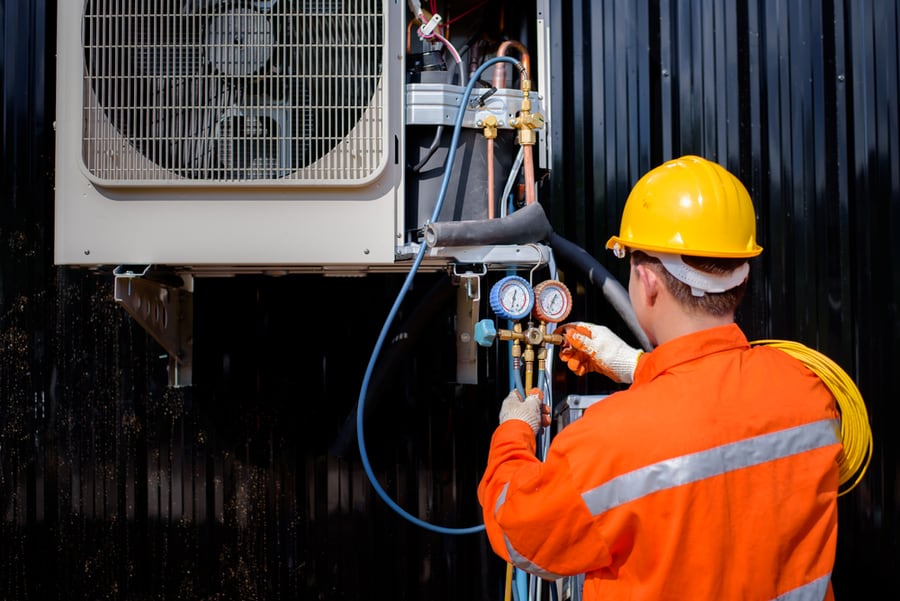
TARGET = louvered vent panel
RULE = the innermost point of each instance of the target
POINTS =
(212, 91)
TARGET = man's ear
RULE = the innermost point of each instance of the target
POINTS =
(650, 283)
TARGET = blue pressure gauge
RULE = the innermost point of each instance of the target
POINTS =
(512, 297)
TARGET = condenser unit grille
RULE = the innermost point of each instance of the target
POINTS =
(224, 91)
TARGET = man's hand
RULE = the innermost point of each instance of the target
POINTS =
(530, 410)
(589, 347)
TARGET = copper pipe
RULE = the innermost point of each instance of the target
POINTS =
(409, 27)
(490, 168)
(528, 162)
(490, 133)
(500, 70)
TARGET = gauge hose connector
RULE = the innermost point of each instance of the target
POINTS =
(528, 224)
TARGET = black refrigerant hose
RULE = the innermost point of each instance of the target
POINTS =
(529, 224)
(599, 276)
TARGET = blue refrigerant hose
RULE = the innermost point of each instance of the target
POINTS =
(360, 437)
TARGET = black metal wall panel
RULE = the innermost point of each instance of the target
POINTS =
(113, 486)
(800, 100)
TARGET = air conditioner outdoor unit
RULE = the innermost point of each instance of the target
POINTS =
(229, 134)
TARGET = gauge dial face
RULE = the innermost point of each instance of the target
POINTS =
(553, 301)
(512, 297)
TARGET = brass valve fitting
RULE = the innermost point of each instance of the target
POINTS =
(489, 124)
(526, 122)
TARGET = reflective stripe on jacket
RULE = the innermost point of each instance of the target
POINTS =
(714, 476)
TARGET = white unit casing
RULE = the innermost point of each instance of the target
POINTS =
(229, 135)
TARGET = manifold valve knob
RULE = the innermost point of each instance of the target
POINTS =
(485, 332)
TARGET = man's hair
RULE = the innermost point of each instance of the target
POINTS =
(713, 303)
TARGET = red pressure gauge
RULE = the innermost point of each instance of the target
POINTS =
(552, 301)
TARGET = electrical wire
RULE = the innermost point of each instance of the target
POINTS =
(435, 142)
(465, 12)
(420, 255)
(856, 432)
(447, 44)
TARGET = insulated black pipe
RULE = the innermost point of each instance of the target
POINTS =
(528, 224)
(600, 277)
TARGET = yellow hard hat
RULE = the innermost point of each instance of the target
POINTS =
(689, 206)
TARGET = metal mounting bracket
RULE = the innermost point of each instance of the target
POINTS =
(573, 407)
(468, 298)
(165, 310)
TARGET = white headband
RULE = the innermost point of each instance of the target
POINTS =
(701, 282)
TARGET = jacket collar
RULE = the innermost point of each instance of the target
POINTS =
(688, 348)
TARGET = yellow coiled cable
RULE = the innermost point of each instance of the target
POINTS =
(856, 433)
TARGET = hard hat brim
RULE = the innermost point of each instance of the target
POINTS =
(717, 254)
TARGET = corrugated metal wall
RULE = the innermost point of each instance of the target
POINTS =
(800, 99)
(248, 486)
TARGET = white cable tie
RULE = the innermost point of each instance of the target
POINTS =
(428, 28)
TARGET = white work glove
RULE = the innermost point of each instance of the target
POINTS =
(589, 347)
(531, 410)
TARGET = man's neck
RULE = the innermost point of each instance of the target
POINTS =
(673, 321)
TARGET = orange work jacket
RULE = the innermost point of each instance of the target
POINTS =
(714, 476)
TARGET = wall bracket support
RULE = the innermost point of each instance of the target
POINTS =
(163, 304)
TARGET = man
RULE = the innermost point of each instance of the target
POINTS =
(714, 476)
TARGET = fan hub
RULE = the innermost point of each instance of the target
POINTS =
(239, 42)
